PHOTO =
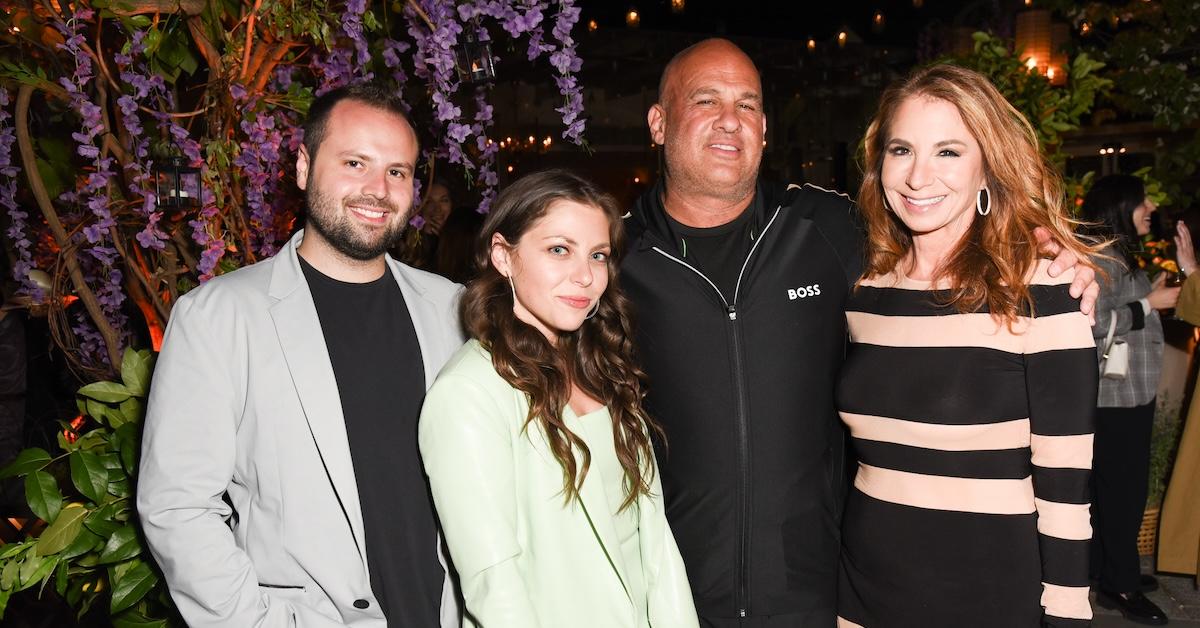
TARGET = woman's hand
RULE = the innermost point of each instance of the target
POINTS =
(1163, 297)
(1185, 253)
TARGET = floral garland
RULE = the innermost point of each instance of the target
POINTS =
(435, 62)
(144, 84)
(102, 260)
(17, 230)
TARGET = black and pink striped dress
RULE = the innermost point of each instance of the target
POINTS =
(974, 441)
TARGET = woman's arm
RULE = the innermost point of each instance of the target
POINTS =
(1061, 383)
(466, 447)
(1116, 299)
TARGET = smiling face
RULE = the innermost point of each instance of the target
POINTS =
(559, 267)
(932, 169)
(359, 187)
(710, 122)
(1141, 216)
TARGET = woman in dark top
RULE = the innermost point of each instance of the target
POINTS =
(968, 383)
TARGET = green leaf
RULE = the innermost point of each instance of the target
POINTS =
(108, 392)
(51, 177)
(133, 619)
(87, 541)
(131, 585)
(28, 460)
(97, 410)
(126, 442)
(133, 409)
(123, 544)
(12, 549)
(61, 579)
(35, 568)
(4, 595)
(120, 488)
(63, 531)
(42, 495)
(101, 523)
(8, 576)
(135, 371)
(89, 475)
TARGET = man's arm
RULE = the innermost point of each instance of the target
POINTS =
(188, 454)
(1084, 286)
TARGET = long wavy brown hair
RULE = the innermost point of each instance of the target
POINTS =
(989, 266)
(598, 357)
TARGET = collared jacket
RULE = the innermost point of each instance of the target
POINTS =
(1119, 295)
(753, 469)
(246, 490)
(526, 559)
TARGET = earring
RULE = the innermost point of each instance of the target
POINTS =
(514, 288)
(595, 308)
(983, 202)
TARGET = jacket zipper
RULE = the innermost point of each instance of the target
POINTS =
(743, 428)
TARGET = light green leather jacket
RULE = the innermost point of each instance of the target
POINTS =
(524, 558)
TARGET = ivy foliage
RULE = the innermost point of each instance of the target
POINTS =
(1052, 110)
(91, 551)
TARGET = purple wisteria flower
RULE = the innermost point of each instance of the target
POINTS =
(18, 231)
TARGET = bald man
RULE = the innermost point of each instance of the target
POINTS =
(739, 286)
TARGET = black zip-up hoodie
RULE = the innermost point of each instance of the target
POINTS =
(753, 471)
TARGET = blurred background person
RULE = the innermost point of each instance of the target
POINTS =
(1179, 528)
(454, 257)
(419, 246)
(1116, 209)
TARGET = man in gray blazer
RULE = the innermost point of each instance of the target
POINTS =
(280, 483)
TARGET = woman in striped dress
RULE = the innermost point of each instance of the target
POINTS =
(969, 384)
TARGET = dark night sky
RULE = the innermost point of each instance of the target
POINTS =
(784, 19)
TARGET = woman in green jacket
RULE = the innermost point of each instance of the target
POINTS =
(538, 451)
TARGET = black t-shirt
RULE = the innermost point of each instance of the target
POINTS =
(381, 382)
(720, 251)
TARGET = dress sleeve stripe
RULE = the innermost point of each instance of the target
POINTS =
(1064, 521)
(1064, 562)
(1067, 602)
(1066, 486)
(1062, 452)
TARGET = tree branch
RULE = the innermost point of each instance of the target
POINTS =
(249, 38)
(134, 7)
(207, 50)
(112, 341)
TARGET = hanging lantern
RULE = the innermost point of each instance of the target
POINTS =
(677, 6)
(842, 38)
(878, 22)
(474, 60)
(1034, 39)
(633, 19)
(177, 185)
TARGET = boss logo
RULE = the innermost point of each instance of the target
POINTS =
(804, 292)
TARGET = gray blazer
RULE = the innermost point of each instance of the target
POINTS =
(1123, 287)
(246, 490)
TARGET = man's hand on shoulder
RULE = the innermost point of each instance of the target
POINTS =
(1084, 287)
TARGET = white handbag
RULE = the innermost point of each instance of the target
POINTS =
(1115, 364)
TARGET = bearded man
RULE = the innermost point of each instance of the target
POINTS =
(280, 481)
